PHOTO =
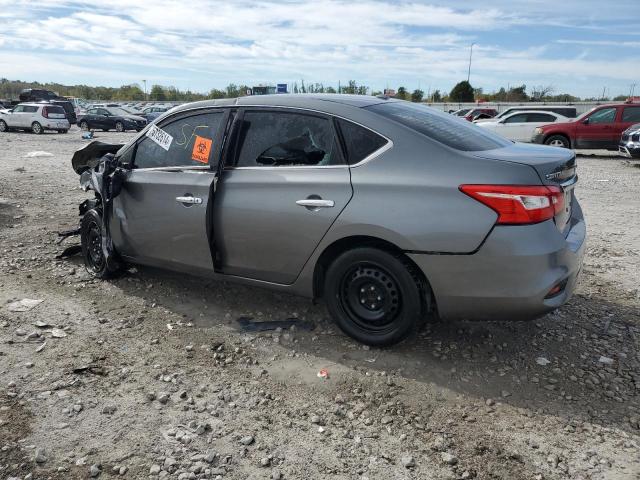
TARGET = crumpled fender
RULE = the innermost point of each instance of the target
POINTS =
(101, 172)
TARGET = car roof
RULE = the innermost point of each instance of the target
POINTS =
(322, 101)
(536, 111)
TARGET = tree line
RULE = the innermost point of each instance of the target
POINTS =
(461, 92)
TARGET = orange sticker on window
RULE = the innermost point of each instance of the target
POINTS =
(201, 149)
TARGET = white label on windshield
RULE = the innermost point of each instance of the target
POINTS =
(159, 136)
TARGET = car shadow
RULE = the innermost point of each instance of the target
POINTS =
(551, 365)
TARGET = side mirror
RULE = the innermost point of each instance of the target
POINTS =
(586, 121)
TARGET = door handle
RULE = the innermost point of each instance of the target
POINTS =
(313, 203)
(190, 200)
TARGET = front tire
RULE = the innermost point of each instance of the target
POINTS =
(91, 242)
(37, 128)
(558, 141)
(62, 131)
(374, 296)
(3, 126)
(119, 127)
(84, 126)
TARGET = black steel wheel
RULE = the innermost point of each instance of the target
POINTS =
(91, 241)
(374, 295)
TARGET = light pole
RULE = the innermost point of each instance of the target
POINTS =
(145, 90)
(470, 54)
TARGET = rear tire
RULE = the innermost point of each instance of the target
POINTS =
(63, 131)
(119, 127)
(37, 128)
(91, 242)
(3, 126)
(558, 141)
(84, 126)
(374, 296)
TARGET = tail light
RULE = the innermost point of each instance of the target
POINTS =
(45, 112)
(518, 204)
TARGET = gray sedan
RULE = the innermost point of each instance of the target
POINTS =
(388, 210)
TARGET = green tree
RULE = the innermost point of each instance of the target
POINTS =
(215, 93)
(157, 93)
(330, 90)
(402, 93)
(462, 92)
(417, 95)
(436, 96)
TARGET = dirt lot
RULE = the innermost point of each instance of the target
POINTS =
(151, 376)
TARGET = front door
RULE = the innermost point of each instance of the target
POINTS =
(285, 184)
(515, 127)
(160, 216)
(597, 130)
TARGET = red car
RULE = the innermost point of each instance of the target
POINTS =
(599, 128)
(472, 114)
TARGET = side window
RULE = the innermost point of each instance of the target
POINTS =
(102, 111)
(606, 115)
(360, 142)
(519, 118)
(631, 114)
(18, 109)
(191, 143)
(286, 139)
(30, 109)
(540, 117)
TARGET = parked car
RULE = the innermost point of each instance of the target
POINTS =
(601, 127)
(388, 210)
(519, 126)
(151, 113)
(564, 110)
(36, 117)
(472, 113)
(111, 118)
(630, 142)
(41, 95)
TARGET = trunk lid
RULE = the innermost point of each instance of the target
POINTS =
(555, 167)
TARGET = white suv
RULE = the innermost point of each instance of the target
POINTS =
(36, 117)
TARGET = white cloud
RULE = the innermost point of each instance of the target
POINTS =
(207, 43)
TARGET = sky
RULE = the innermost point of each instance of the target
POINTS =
(577, 46)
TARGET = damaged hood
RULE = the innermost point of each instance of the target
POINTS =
(89, 156)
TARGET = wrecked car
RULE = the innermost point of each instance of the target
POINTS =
(388, 210)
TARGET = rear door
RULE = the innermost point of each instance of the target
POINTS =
(285, 185)
(598, 129)
(630, 115)
(160, 217)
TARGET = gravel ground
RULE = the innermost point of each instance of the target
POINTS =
(151, 376)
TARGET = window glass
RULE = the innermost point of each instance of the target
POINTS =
(447, 129)
(92, 111)
(631, 114)
(359, 141)
(192, 143)
(30, 109)
(540, 117)
(518, 118)
(286, 139)
(18, 109)
(55, 109)
(605, 115)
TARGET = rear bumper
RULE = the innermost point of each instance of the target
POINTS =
(510, 276)
(56, 124)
